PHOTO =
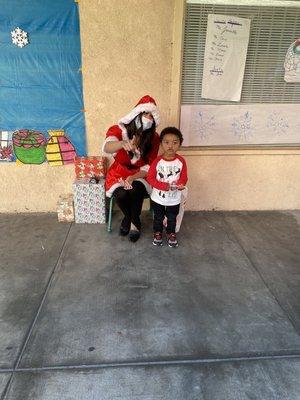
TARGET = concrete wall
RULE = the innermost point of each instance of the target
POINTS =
(131, 48)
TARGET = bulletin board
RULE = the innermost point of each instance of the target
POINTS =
(40, 79)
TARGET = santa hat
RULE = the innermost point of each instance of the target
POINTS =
(146, 104)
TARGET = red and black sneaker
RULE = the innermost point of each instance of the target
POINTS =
(172, 241)
(157, 239)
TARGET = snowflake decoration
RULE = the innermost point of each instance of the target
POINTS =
(278, 124)
(19, 37)
(242, 127)
(203, 126)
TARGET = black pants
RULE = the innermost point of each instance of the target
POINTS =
(160, 212)
(130, 201)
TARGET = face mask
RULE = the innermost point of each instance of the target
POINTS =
(147, 123)
(138, 122)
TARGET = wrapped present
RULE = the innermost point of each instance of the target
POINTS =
(29, 146)
(88, 167)
(59, 149)
(6, 146)
(65, 208)
(89, 201)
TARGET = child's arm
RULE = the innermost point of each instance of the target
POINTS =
(151, 177)
(183, 175)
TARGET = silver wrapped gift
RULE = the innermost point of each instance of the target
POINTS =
(89, 201)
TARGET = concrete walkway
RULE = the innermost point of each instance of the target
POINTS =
(88, 315)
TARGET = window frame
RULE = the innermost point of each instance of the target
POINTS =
(176, 81)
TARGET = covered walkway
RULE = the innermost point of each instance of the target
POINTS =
(87, 315)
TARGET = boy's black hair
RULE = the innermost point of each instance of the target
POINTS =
(172, 130)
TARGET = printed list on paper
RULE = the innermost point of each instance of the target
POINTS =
(226, 45)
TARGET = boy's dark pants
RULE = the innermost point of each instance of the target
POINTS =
(160, 212)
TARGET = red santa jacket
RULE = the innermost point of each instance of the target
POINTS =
(123, 166)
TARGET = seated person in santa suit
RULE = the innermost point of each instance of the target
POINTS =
(134, 144)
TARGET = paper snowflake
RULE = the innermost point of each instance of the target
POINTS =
(242, 127)
(203, 125)
(19, 37)
(278, 123)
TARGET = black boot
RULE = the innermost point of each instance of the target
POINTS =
(134, 235)
(124, 227)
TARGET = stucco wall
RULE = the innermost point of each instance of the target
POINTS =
(127, 52)
(253, 180)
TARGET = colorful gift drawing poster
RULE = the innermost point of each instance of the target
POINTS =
(6, 146)
(29, 146)
(225, 54)
(41, 82)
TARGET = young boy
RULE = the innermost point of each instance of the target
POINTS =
(168, 176)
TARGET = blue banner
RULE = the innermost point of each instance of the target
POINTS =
(41, 82)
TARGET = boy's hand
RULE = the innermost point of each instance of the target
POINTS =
(180, 187)
(173, 186)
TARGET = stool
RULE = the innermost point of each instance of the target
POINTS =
(110, 210)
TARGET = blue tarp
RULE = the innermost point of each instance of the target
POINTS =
(41, 83)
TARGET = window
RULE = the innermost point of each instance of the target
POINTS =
(273, 29)
(269, 110)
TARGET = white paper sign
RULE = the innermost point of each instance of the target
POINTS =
(240, 124)
(226, 45)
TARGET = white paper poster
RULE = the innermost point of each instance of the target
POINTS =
(240, 124)
(226, 45)
(292, 63)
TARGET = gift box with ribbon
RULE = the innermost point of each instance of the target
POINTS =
(89, 167)
(65, 208)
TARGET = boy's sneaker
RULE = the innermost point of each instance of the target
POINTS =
(172, 241)
(157, 239)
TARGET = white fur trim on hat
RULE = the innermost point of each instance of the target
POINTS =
(143, 107)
